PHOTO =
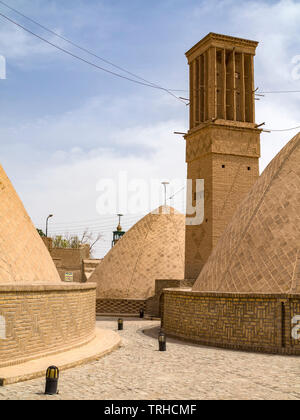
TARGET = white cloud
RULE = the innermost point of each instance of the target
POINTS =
(67, 186)
(16, 44)
(73, 22)
(66, 156)
(57, 160)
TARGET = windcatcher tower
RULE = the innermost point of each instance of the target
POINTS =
(223, 143)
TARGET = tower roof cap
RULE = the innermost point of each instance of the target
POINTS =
(223, 41)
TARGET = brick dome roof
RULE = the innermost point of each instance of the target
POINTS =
(24, 259)
(260, 250)
(152, 249)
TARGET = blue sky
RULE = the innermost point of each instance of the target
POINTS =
(65, 125)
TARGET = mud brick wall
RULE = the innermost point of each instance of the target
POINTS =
(42, 320)
(120, 306)
(71, 260)
(239, 321)
(292, 322)
(151, 306)
(154, 304)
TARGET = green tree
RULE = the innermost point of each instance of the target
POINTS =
(41, 233)
(75, 242)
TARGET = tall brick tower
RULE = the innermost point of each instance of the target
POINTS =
(223, 143)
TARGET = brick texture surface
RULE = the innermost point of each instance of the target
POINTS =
(256, 322)
(223, 142)
(39, 314)
(120, 306)
(23, 256)
(71, 260)
(42, 320)
(152, 249)
(259, 251)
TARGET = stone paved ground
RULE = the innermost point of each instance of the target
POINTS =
(138, 371)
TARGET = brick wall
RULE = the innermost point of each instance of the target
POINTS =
(226, 157)
(153, 304)
(247, 322)
(47, 242)
(45, 319)
(71, 260)
(120, 306)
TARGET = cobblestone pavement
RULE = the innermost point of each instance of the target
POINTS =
(139, 371)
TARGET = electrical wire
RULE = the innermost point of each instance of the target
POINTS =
(148, 83)
(92, 227)
(143, 83)
(177, 192)
(78, 46)
(93, 222)
(280, 91)
(105, 220)
(107, 227)
(89, 62)
(258, 92)
(286, 129)
(99, 225)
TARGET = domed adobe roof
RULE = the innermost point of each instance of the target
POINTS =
(259, 251)
(152, 249)
(24, 259)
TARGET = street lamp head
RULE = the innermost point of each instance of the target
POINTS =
(50, 215)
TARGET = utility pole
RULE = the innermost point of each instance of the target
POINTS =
(165, 184)
(47, 221)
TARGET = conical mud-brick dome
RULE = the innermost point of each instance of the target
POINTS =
(40, 315)
(152, 249)
(24, 258)
(260, 249)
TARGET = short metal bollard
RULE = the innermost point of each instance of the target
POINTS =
(142, 313)
(162, 340)
(52, 376)
(120, 324)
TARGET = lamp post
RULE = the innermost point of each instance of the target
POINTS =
(165, 187)
(120, 324)
(47, 221)
(162, 341)
(52, 376)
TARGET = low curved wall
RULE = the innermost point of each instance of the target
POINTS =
(120, 306)
(40, 320)
(252, 322)
(150, 305)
